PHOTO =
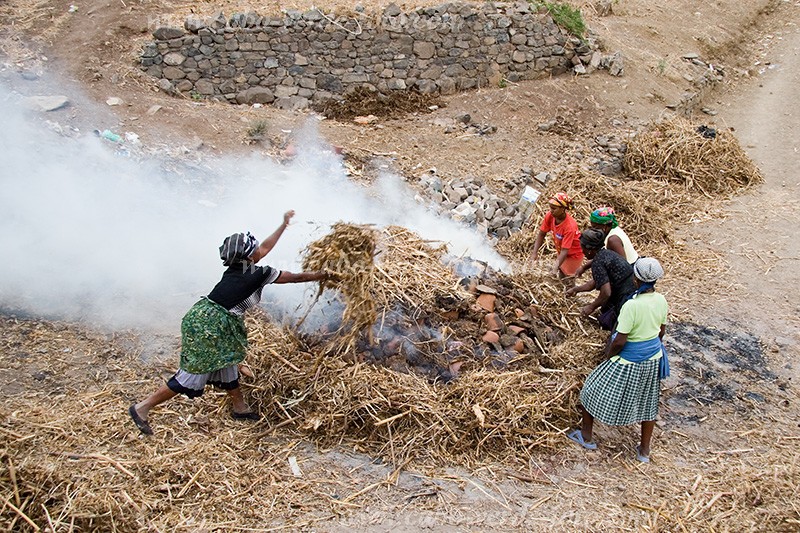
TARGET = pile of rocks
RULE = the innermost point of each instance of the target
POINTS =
(468, 200)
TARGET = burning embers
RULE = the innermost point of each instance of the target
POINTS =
(407, 311)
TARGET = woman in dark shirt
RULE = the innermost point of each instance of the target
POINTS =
(213, 336)
(612, 276)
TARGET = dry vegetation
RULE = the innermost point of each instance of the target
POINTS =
(71, 460)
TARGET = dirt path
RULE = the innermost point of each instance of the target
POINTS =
(759, 236)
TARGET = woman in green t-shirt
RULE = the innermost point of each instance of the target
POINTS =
(625, 388)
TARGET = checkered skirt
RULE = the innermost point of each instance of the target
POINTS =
(620, 394)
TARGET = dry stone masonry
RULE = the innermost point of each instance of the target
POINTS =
(294, 58)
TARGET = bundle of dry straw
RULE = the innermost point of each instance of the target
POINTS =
(675, 150)
(646, 210)
(484, 414)
(348, 251)
(377, 271)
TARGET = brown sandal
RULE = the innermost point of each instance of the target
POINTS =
(142, 424)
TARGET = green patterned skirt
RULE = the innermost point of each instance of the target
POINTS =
(212, 338)
(617, 394)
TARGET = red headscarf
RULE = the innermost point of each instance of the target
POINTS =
(561, 199)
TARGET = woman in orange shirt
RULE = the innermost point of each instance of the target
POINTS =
(566, 237)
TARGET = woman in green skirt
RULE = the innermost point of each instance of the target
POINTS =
(213, 336)
(625, 388)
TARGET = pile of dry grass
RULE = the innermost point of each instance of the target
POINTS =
(348, 251)
(646, 210)
(485, 414)
(363, 101)
(674, 150)
(71, 459)
(377, 271)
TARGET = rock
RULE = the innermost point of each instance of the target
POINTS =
(609, 168)
(427, 86)
(153, 109)
(204, 87)
(546, 126)
(691, 55)
(516, 330)
(508, 340)
(219, 21)
(174, 59)
(392, 10)
(292, 103)
(193, 24)
(255, 95)
(485, 289)
(464, 118)
(165, 33)
(616, 66)
(542, 177)
(114, 101)
(330, 83)
(604, 8)
(46, 103)
(579, 69)
(166, 86)
(29, 75)
(424, 50)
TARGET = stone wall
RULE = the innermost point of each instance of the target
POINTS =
(294, 58)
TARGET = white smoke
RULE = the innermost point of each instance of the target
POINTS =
(120, 242)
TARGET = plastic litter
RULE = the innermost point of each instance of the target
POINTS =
(109, 135)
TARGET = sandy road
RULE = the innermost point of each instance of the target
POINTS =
(761, 237)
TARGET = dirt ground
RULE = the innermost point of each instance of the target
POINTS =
(736, 345)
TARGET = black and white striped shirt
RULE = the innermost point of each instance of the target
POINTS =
(241, 285)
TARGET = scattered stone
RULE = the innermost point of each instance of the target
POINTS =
(367, 119)
(691, 55)
(616, 66)
(46, 103)
(114, 101)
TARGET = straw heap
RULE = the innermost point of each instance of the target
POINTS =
(484, 413)
(377, 272)
(347, 251)
(675, 150)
